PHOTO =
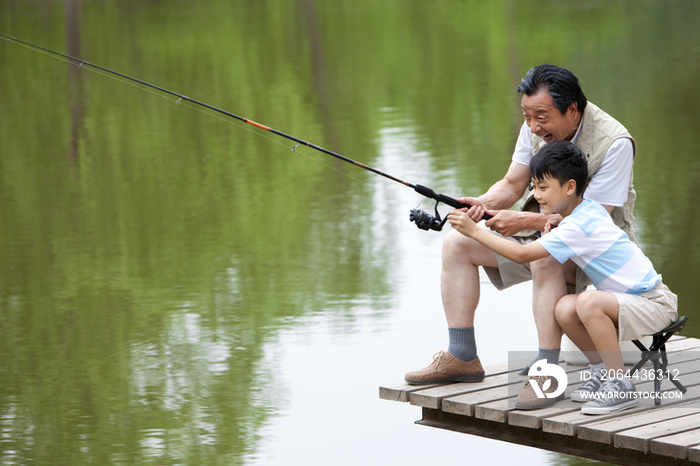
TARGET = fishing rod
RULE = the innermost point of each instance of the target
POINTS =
(422, 219)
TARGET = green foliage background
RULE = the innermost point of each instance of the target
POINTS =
(139, 236)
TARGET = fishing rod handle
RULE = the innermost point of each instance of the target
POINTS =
(427, 192)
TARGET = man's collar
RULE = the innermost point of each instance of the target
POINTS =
(578, 131)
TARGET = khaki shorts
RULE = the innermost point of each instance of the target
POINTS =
(647, 313)
(508, 273)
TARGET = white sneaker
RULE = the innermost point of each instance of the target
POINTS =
(586, 391)
(613, 396)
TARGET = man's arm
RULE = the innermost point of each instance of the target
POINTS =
(502, 196)
(509, 222)
(506, 192)
(509, 190)
(516, 252)
(610, 183)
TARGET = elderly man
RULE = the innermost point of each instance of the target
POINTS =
(554, 108)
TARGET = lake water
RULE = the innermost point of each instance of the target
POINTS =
(177, 287)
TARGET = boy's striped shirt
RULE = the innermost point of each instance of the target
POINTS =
(602, 250)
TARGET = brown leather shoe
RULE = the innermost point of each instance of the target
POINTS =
(446, 369)
(528, 400)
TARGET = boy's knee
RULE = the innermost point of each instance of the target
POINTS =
(561, 315)
(565, 312)
(586, 304)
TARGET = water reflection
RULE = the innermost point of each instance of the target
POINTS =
(175, 290)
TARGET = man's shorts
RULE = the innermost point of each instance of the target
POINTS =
(508, 272)
(647, 313)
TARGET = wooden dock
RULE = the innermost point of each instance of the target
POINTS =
(645, 435)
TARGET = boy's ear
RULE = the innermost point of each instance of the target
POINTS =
(570, 187)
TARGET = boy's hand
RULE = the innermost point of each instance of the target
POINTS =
(552, 223)
(477, 210)
(461, 222)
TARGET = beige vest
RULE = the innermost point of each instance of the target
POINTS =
(598, 131)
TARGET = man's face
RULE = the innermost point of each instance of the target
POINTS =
(546, 121)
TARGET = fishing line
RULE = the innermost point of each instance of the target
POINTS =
(422, 219)
(186, 103)
(276, 141)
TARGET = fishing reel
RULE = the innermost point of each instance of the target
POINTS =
(425, 221)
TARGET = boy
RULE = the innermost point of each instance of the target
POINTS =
(629, 301)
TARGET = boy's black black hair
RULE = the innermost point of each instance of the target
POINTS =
(561, 83)
(563, 161)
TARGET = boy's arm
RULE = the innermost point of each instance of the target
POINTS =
(519, 253)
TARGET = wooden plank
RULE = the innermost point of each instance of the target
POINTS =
(678, 357)
(465, 404)
(640, 438)
(533, 419)
(429, 396)
(539, 439)
(682, 345)
(647, 434)
(694, 454)
(434, 397)
(496, 411)
(400, 391)
(677, 445)
(643, 415)
(569, 423)
(508, 366)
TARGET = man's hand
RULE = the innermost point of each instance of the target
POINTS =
(477, 210)
(509, 222)
(512, 250)
(506, 222)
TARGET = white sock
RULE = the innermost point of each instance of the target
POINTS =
(599, 367)
(625, 380)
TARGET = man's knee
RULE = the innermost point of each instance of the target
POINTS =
(546, 266)
(455, 242)
(459, 248)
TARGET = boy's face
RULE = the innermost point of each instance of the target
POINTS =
(545, 120)
(553, 196)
